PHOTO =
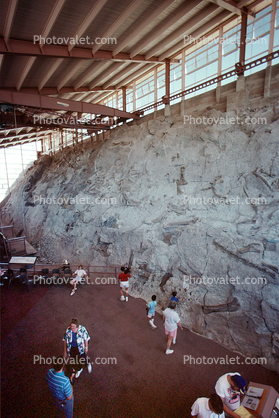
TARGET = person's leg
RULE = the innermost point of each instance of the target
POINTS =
(150, 320)
(74, 359)
(84, 361)
(126, 291)
(170, 336)
(73, 283)
(121, 293)
(174, 337)
(169, 342)
(68, 407)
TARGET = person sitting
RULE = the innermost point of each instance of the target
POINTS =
(79, 275)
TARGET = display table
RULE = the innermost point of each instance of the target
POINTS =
(267, 400)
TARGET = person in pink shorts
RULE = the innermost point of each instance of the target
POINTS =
(171, 321)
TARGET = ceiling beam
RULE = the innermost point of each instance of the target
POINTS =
(1, 60)
(110, 71)
(25, 72)
(198, 33)
(45, 102)
(134, 33)
(22, 141)
(125, 72)
(49, 73)
(9, 138)
(51, 19)
(164, 26)
(118, 22)
(53, 90)
(9, 19)
(69, 74)
(235, 8)
(227, 6)
(141, 72)
(184, 29)
(87, 21)
(91, 70)
(19, 47)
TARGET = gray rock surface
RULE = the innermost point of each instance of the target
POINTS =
(198, 205)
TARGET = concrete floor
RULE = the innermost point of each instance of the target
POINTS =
(144, 382)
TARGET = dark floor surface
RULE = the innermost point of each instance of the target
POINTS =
(144, 382)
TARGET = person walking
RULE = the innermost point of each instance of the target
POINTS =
(151, 311)
(171, 321)
(123, 280)
(76, 346)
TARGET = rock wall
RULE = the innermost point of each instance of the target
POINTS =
(198, 205)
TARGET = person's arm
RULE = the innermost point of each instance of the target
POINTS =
(65, 349)
(229, 411)
(180, 326)
(72, 388)
(164, 318)
(70, 397)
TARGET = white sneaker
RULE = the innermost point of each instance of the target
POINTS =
(122, 298)
(78, 373)
(168, 351)
(126, 298)
(72, 293)
(89, 367)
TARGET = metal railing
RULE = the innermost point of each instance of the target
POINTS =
(239, 70)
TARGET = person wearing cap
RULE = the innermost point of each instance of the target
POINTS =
(204, 407)
(230, 387)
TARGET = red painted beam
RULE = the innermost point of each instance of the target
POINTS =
(16, 46)
(51, 103)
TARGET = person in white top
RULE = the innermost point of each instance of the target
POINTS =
(230, 387)
(208, 407)
(171, 320)
(79, 274)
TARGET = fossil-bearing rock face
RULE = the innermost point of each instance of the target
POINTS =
(198, 205)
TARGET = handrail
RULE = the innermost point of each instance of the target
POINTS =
(239, 70)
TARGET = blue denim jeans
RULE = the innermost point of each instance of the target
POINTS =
(65, 408)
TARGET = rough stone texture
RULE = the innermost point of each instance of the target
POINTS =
(198, 205)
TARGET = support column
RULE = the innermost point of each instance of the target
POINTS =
(242, 40)
(167, 88)
(7, 174)
(134, 96)
(61, 139)
(267, 81)
(124, 98)
(182, 103)
(271, 31)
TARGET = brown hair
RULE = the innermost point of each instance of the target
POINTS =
(216, 403)
(75, 321)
